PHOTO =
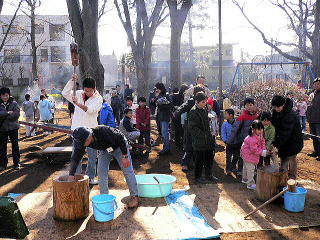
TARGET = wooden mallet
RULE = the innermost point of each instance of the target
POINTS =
(291, 188)
(75, 62)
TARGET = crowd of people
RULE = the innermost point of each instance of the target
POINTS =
(190, 116)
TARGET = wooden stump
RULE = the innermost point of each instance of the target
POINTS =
(71, 199)
(269, 183)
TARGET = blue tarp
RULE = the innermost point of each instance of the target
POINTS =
(191, 222)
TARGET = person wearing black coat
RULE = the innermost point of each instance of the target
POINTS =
(177, 101)
(187, 142)
(116, 106)
(9, 127)
(164, 109)
(289, 138)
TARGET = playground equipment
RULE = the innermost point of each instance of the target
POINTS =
(237, 73)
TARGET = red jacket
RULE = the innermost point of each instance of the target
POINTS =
(143, 116)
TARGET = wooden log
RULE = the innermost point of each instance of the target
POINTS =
(70, 199)
(269, 182)
(290, 182)
(292, 185)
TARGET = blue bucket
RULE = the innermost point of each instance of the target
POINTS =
(148, 187)
(104, 206)
(294, 201)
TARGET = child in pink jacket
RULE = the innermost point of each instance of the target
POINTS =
(252, 148)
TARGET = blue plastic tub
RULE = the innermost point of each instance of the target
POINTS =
(294, 202)
(104, 206)
(150, 188)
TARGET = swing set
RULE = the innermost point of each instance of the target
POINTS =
(237, 73)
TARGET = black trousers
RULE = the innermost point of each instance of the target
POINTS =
(203, 159)
(13, 135)
(144, 138)
(232, 157)
(178, 131)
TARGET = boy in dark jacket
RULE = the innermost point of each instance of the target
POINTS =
(143, 121)
(126, 126)
(202, 141)
(289, 139)
(9, 126)
(164, 108)
(187, 142)
(232, 149)
(240, 128)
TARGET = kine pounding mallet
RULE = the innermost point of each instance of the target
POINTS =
(75, 62)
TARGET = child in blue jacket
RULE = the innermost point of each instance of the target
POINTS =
(106, 116)
(232, 149)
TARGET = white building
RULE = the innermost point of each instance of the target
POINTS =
(110, 65)
(53, 38)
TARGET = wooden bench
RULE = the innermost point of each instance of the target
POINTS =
(50, 152)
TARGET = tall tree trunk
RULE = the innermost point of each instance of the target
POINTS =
(316, 41)
(175, 64)
(84, 23)
(177, 20)
(33, 46)
(191, 49)
(141, 44)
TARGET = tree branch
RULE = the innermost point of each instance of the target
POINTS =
(9, 26)
(74, 11)
(265, 40)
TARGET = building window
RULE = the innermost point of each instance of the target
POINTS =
(58, 54)
(57, 32)
(23, 81)
(8, 82)
(43, 55)
(229, 52)
(39, 29)
(11, 55)
(14, 29)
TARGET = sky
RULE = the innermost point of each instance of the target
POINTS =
(236, 30)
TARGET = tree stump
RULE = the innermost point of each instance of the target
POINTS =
(71, 199)
(269, 182)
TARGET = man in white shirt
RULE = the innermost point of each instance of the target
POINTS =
(87, 104)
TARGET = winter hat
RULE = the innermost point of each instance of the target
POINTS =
(80, 135)
(210, 102)
(278, 101)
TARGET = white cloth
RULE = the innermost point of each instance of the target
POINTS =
(133, 108)
(214, 127)
(81, 118)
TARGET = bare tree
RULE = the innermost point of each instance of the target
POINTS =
(10, 24)
(32, 5)
(84, 23)
(141, 43)
(304, 20)
(1, 5)
(177, 19)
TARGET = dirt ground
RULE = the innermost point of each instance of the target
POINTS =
(36, 174)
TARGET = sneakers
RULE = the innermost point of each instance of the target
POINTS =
(93, 182)
(184, 168)
(228, 173)
(212, 178)
(314, 154)
(244, 181)
(200, 181)
(252, 186)
(17, 167)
